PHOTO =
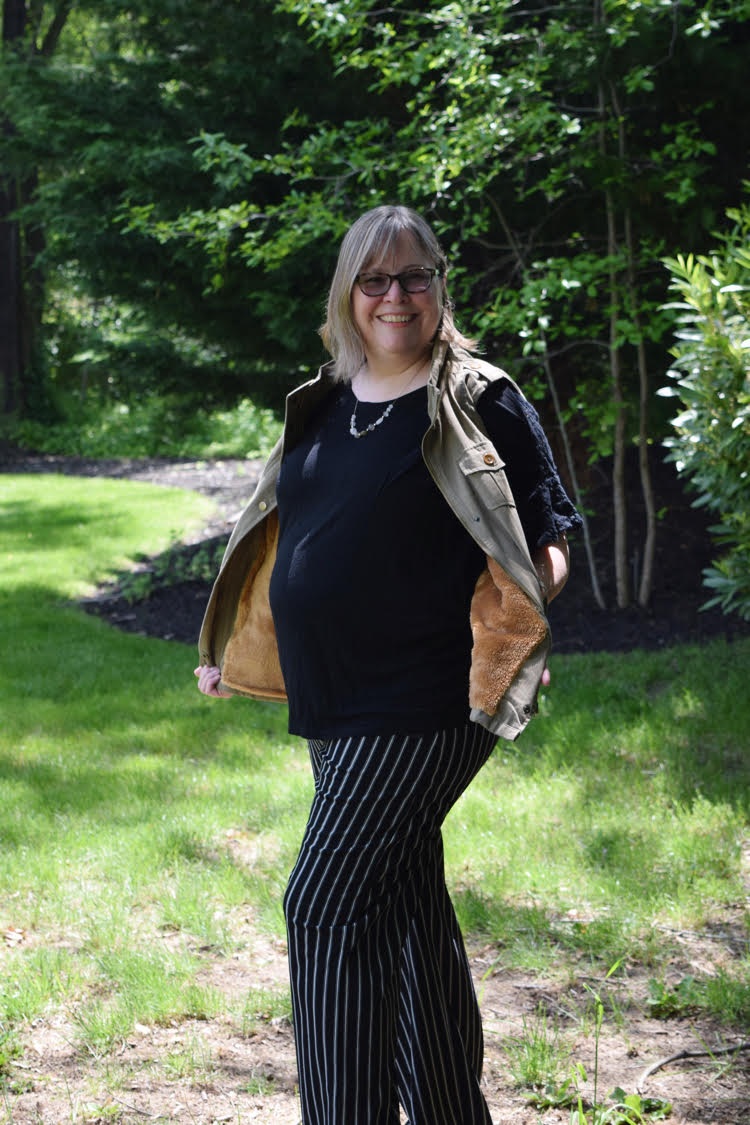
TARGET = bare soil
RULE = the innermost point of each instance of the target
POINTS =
(251, 1077)
(230, 1076)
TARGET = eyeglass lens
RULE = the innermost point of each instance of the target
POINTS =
(412, 281)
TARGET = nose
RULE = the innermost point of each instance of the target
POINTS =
(400, 291)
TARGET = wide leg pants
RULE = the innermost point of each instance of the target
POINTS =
(383, 1001)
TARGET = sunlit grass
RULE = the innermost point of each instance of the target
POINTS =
(119, 783)
(621, 810)
(139, 819)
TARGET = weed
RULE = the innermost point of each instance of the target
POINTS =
(625, 1109)
(260, 1084)
(665, 1002)
(536, 1057)
(10, 1050)
(265, 1006)
(153, 426)
(193, 1061)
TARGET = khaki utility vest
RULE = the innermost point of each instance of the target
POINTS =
(510, 630)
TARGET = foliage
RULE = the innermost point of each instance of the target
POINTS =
(190, 216)
(712, 378)
(481, 135)
(665, 1002)
(537, 1055)
(550, 149)
(106, 126)
(158, 426)
(175, 565)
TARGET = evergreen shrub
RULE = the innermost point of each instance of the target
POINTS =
(711, 375)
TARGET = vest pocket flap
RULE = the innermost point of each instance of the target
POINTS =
(483, 467)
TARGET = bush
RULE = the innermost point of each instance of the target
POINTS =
(712, 377)
(155, 426)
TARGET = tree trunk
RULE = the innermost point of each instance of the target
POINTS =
(14, 19)
(22, 287)
(619, 503)
(10, 311)
(593, 573)
(644, 467)
(11, 337)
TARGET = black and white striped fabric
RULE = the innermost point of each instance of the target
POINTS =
(384, 1004)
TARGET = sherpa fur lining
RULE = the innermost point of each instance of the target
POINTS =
(506, 629)
(251, 658)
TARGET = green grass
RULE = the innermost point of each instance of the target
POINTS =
(139, 820)
(118, 781)
(620, 813)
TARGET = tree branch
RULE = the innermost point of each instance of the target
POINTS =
(54, 30)
(688, 1055)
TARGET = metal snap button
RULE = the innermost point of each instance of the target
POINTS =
(263, 505)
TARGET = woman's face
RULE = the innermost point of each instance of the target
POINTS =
(398, 327)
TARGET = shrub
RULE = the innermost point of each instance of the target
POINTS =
(155, 426)
(711, 376)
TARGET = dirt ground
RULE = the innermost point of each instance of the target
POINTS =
(242, 1078)
(251, 1077)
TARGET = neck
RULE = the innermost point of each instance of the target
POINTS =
(377, 381)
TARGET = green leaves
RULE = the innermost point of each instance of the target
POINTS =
(711, 376)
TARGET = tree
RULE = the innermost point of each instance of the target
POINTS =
(557, 152)
(110, 130)
(31, 32)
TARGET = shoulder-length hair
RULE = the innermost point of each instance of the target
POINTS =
(372, 237)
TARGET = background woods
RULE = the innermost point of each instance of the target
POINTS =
(175, 178)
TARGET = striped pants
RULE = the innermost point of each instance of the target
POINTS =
(383, 1001)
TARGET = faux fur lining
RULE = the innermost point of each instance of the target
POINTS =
(251, 657)
(506, 629)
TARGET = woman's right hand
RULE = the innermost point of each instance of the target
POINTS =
(209, 678)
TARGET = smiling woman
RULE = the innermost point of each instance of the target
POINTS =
(396, 323)
(389, 578)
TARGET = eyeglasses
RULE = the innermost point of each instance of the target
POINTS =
(417, 280)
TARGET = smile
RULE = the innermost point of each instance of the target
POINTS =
(391, 319)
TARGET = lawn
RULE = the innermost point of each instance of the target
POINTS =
(143, 828)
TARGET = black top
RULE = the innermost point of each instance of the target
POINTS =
(374, 573)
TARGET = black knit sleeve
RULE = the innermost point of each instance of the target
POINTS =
(513, 426)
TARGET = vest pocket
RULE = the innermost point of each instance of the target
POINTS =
(484, 469)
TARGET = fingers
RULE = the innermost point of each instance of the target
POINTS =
(209, 678)
(546, 677)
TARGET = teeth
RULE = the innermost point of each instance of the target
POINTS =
(395, 319)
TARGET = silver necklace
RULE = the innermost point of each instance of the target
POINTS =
(368, 429)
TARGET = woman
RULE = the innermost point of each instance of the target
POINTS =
(389, 578)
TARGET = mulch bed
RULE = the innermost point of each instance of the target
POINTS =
(673, 616)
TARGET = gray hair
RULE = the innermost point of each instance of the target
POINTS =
(375, 234)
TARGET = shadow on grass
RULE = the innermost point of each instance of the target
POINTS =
(672, 722)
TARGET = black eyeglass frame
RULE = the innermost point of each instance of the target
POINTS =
(361, 278)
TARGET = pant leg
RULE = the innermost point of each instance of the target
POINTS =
(367, 887)
(440, 1044)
